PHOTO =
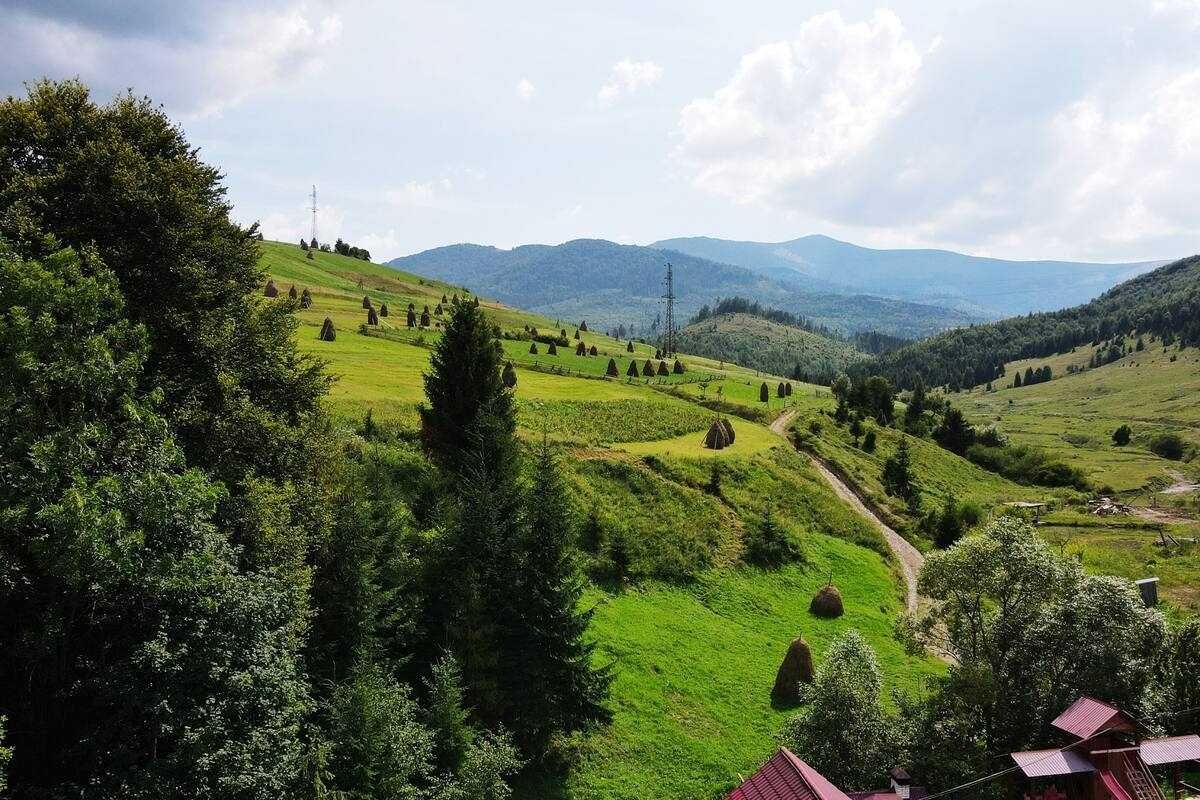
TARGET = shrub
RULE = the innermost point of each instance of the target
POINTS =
(647, 369)
(868, 444)
(1026, 465)
(814, 427)
(769, 545)
(366, 302)
(992, 436)
(1168, 445)
(1121, 435)
(764, 394)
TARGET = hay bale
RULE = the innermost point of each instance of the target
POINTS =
(678, 369)
(797, 668)
(306, 299)
(328, 334)
(632, 370)
(581, 349)
(827, 603)
(372, 317)
(592, 350)
(728, 426)
(509, 375)
(648, 369)
(629, 346)
(270, 291)
(662, 368)
(366, 302)
(425, 322)
(383, 309)
(533, 348)
(551, 350)
(292, 295)
(716, 438)
(612, 370)
(411, 320)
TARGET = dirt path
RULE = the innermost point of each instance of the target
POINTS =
(910, 558)
(1181, 485)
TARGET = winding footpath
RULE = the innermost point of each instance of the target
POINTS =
(910, 558)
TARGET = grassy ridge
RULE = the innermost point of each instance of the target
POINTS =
(756, 342)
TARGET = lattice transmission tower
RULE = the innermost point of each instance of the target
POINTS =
(314, 213)
(669, 299)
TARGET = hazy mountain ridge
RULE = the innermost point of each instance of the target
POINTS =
(989, 287)
(608, 284)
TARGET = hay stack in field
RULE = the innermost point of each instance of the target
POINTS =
(716, 438)
(678, 370)
(328, 334)
(581, 349)
(533, 348)
(629, 346)
(292, 292)
(425, 318)
(270, 291)
(306, 299)
(797, 668)
(662, 368)
(366, 302)
(827, 603)
(592, 350)
(551, 350)
(728, 426)
(372, 317)
(612, 370)
(383, 309)
(648, 369)
(509, 375)
(632, 370)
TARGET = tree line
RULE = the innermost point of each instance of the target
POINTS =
(1164, 302)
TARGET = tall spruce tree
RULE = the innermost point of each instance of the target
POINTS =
(464, 382)
(554, 687)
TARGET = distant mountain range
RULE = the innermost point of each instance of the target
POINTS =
(609, 284)
(987, 287)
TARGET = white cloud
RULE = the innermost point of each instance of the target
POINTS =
(525, 89)
(796, 110)
(296, 224)
(383, 247)
(420, 194)
(196, 60)
(628, 77)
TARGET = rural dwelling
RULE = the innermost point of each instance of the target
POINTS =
(787, 777)
(1106, 757)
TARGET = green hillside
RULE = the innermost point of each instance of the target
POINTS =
(769, 346)
(696, 636)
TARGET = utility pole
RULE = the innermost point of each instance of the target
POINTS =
(669, 340)
(314, 213)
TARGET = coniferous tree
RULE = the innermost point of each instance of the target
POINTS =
(764, 394)
(463, 382)
(554, 687)
(1017, 380)
(580, 349)
(898, 477)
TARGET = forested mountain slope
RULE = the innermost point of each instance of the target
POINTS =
(770, 346)
(1164, 302)
(610, 284)
(989, 286)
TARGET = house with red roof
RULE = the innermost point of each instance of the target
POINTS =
(785, 776)
(1105, 756)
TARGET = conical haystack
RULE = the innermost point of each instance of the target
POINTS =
(366, 302)
(827, 603)
(372, 317)
(797, 668)
(270, 291)
(728, 426)
(306, 299)
(716, 438)
(292, 292)
(328, 334)
(383, 309)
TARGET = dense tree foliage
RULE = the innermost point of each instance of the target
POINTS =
(343, 249)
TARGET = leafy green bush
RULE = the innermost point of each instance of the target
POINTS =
(1026, 465)
(771, 545)
(1168, 445)
(1121, 435)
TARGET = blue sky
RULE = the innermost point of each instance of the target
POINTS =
(1014, 129)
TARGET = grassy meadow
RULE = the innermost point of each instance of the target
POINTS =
(694, 636)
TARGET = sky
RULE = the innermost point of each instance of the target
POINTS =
(1011, 129)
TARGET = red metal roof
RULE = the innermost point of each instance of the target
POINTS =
(1171, 750)
(1086, 717)
(786, 777)
(1041, 763)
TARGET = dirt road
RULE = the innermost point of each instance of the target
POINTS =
(910, 558)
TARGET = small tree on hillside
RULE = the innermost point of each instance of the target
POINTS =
(898, 475)
(425, 321)
(764, 394)
(1122, 435)
(372, 317)
(1017, 381)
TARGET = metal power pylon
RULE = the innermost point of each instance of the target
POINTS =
(669, 297)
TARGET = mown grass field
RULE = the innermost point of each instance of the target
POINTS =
(695, 637)
(1153, 391)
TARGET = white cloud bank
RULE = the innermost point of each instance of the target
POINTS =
(525, 90)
